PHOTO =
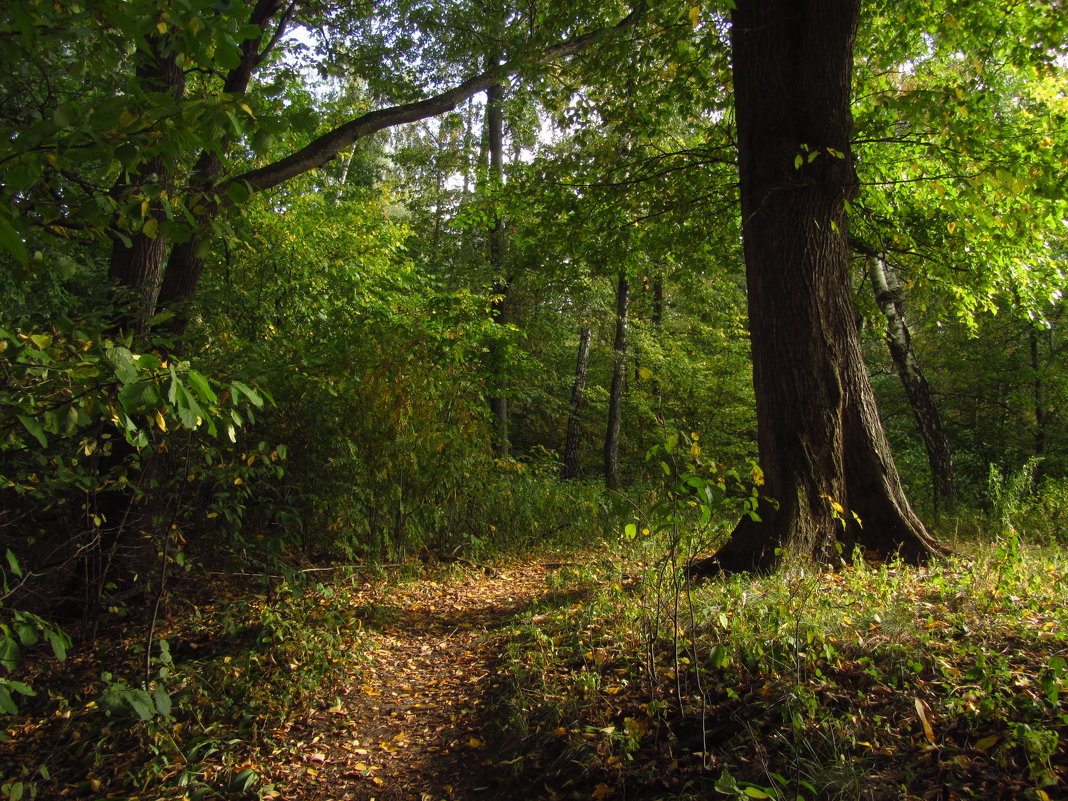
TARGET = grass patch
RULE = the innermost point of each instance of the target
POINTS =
(875, 682)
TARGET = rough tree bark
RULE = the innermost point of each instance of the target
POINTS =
(615, 396)
(921, 400)
(137, 258)
(822, 446)
(573, 438)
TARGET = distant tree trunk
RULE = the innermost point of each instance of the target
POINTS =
(1038, 397)
(657, 320)
(498, 401)
(615, 396)
(939, 455)
(822, 447)
(578, 397)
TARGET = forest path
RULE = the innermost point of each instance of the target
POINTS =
(411, 724)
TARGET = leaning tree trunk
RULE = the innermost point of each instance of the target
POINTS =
(899, 342)
(822, 447)
(615, 396)
(573, 438)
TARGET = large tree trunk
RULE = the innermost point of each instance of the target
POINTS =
(939, 455)
(573, 437)
(822, 447)
(615, 396)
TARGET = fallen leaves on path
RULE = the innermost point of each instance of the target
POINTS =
(412, 724)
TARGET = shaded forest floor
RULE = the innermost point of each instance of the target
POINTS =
(584, 676)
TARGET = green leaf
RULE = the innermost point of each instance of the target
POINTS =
(7, 704)
(34, 428)
(237, 191)
(10, 653)
(630, 531)
(12, 243)
(162, 700)
(122, 360)
(202, 387)
(248, 392)
(13, 563)
(59, 641)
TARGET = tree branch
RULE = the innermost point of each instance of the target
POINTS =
(324, 148)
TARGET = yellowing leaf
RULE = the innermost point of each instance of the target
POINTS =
(474, 742)
(248, 110)
(602, 791)
(924, 713)
(151, 228)
(161, 27)
(645, 372)
(160, 421)
(986, 742)
(695, 15)
(127, 118)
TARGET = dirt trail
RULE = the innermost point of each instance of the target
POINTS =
(413, 725)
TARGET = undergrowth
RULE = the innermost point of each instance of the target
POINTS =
(189, 716)
(875, 682)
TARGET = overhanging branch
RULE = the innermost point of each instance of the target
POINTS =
(324, 148)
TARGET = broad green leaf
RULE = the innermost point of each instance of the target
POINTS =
(13, 563)
(251, 394)
(34, 428)
(59, 641)
(202, 387)
(11, 242)
(7, 704)
(10, 653)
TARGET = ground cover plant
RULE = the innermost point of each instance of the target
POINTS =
(874, 681)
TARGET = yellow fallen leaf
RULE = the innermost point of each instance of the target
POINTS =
(986, 742)
(602, 791)
(924, 712)
(474, 742)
